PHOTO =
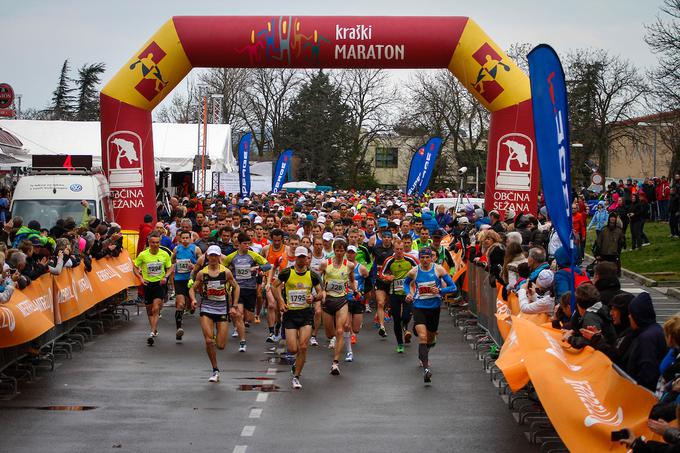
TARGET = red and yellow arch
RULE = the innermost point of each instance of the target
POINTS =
(185, 42)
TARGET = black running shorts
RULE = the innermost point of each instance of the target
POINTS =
(296, 319)
(248, 298)
(154, 290)
(427, 316)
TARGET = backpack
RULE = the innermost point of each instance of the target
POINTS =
(579, 279)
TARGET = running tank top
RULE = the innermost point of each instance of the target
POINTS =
(277, 258)
(425, 282)
(336, 279)
(298, 287)
(214, 292)
(315, 263)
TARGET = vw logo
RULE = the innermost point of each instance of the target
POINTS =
(76, 187)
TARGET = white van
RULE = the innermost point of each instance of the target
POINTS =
(46, 195)
(454, 202)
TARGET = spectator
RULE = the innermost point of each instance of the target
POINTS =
(593, 326)
(618, 309)
(663, 195)
(674, 213)
(579, 226)
(514, 256)
(608, 245)
(443, 218)
(649, 345)
(538, 298)
(496, 223)
(607, 282)
(639, 210)
(144, 230)
(600, 218)
(668, 386)
(7, 281)
(565, 274)
(536, 262)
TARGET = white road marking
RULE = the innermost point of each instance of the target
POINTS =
(248, 431)
(255, 413)
(262, 397)
(271, 371)
(240, 449)
(268, 382)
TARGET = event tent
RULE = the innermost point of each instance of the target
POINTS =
(175, 145)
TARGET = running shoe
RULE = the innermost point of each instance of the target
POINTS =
(407, 336)
(427, 376)
(349, 357)
(277, 338)
(353, 339)
(382, 331)
(400, 348)
(335, 369)
(295, 383)
(242, 346)
(234, 334)
(247, 324)
(150, 340)
(368, 309)
(271, 338)
(154, 333)
(313, 341)
(214, 377)
(257, 319)
(331, 343)
(179, 334)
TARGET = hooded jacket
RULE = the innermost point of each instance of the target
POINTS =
(598, 317)
(600, 217)
(430, 222)
(608, 288)
(563, 276)
(649, 345)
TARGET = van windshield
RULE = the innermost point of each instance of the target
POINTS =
(47, 212)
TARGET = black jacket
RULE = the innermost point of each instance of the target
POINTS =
(649, 344)
(598, 317)
(608, 288)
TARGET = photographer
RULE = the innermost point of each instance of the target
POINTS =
(670, 435)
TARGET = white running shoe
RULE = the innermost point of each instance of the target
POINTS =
(335, 369)
(271, 338)
(242, 347)
(349, 357)
(214, 377)
(331, 343)
(234, 334)
(295, 382)
(313, 341)
(277, 338)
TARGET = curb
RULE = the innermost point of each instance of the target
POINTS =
(674, 292)
(641, 279)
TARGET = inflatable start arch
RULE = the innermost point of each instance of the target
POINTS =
(182, 43)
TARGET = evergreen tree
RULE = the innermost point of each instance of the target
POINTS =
(89, 77)
(62, 99)
(317, 128)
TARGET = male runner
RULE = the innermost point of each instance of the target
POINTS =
(338, 276)
(380, 253)
(244, 264)
(392, 275)
(275, 253)
(423, 287)
(327, 244)
(213, 282)
(355, 304)
(423, 240)
(295, 302)
(184, 258)
(154, 267)
(317, 259)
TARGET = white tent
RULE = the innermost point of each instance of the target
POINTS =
(175, 145)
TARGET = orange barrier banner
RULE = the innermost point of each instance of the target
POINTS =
(584, 397)
(28, 314)
(52, 300)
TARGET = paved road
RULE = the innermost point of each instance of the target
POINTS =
(150, 399)
(664, 305)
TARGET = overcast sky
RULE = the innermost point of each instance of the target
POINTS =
(39, 35)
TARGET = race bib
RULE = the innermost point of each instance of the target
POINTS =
(215, 290)
(154, 269)
(426, 290)
(243, 271)
(335, 286)
(297, 298)
(399, 284)
(183, 266)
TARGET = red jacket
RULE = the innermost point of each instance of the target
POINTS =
(144, 230)
(579, 221)
(663, 191)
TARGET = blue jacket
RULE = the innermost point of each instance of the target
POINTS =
(563, 277)
(443, 219)
(600, 218)
(534, 275)
(430, 222)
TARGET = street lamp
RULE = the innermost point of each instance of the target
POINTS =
(656, 127)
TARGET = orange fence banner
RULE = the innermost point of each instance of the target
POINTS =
(584, 397)
(28, 314)
(51, 300)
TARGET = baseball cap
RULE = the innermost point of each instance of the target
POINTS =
(213, 250)
(463, 220)
(327, 236)
(301, 251)
(352, 248)
(397, 222)
(382, 223)
(545, 278)
(257, 220)
(321, 219)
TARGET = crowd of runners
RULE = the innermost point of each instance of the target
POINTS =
(297, 262)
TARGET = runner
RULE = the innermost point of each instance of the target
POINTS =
(293, 291)
(317, 259)
(442, 255)
(423, 286)
(392, 275)
(423, 240)
(381, 252)
(213, 282)
(338, 275)
(154, 267)
(327, 244)
(275, 253)
(244, 264)
(184, 258)
(356, 303)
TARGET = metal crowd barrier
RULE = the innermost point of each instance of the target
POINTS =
(482, 300)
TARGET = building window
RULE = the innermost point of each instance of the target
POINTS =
(386, 158)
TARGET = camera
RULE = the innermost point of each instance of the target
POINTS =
(462, 170)
(620, 435)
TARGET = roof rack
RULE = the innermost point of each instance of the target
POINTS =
(63, 171)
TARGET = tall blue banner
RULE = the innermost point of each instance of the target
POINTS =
(281, 170)
(415, 171)
(431, 153)
(551, 125)
(244, 165)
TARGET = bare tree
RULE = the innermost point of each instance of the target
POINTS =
(370, 98)
(231, 83)
(518, 52)
(604, 92)
(185, 106)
